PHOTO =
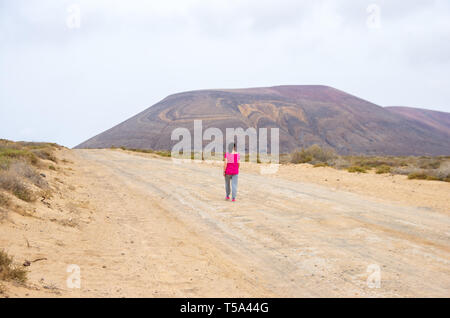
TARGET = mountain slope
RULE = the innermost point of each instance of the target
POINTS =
(432, 118)
(304, 114)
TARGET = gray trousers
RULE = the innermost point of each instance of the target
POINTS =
(234, 183)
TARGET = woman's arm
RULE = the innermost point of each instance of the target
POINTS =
(224, 165)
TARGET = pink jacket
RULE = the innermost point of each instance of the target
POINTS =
(232, 163)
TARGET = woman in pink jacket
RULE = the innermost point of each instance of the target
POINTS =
(231, 171)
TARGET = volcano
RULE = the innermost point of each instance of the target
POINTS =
(305, 115)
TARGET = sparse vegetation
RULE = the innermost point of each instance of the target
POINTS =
(357, 169)
(29, 152)
(9, 271)
(45, 154)
(377, 161)
(314, 154)
(9, 155)
(18, 163)
(321, 164)
(423, 168)
(421, 176)
(4, 201)
(14, 184)
(162, 153)
(29, 173)
(383, 169)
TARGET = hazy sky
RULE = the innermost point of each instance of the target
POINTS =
(65, 77)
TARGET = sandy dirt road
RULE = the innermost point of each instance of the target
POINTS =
(164, 229)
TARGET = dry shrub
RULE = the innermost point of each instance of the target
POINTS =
(321, 164)
(313, 154)
(300, 157)
(162, 153)
(12, 183)
(24, 170)
(357, 169)
(9, 271)
(285, 158)
(443, 172)
(45, 154)
(376, 161)
(405, 170)
(340, 163)
(14, 180)
(422, 176)
(428, 163)
(3, 215)
(383, 169)
(29, 152)
(10, 155)
(4, 163)
(425, 168)
(17, 173)
(37, 145)
(4, 201)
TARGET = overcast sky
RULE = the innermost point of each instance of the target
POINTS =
(65, 77)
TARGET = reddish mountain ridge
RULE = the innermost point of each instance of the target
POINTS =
(305, 115)
(436, 119)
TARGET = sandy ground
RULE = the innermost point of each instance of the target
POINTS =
(142, 226)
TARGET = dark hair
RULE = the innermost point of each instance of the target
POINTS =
(231, 146)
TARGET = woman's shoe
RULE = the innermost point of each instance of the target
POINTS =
(227, 198)
(234, 200)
